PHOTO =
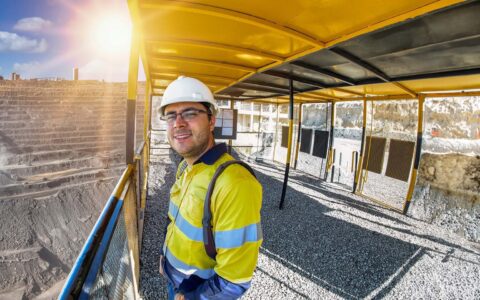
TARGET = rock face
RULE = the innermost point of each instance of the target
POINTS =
(448, 193)
(62, 148)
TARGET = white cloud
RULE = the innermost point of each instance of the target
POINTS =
(27, 70)
(115, 70)
(99, 69)
(33, 24)
(17, 43)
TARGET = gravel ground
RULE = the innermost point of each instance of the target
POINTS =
(329, 244)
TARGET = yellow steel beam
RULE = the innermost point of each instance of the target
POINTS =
(454, 94)
(394, 20)
(203, 62)
(157, 86)
(213, 11)
(218, 46)
(357, 32)
(172, 76)
(348, 92)
(409, 91)
(318, 96)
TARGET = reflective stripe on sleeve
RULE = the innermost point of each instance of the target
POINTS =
(237, 237)
(223, 239)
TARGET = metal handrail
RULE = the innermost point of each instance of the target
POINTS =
(80, 268)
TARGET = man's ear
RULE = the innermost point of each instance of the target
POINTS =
(212, 122)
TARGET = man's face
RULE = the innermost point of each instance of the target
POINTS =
(190, 138)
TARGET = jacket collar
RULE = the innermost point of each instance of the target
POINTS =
(214, 153)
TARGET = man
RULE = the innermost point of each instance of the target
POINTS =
(189, 109)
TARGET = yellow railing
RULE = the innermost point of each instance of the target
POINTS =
(108, 265)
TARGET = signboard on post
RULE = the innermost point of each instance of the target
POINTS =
(226, 124)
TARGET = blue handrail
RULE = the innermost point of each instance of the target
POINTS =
(82, 262)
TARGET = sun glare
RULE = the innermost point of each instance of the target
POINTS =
(110, 35)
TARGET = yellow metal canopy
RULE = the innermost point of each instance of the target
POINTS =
(332, 50)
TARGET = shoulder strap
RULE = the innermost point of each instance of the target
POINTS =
(208, 239)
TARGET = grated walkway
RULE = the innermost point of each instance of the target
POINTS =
(330, 244)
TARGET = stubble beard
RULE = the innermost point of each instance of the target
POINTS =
(200, 142)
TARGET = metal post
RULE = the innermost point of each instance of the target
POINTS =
(289, 149)
(339, 166)
(358, 175)
(298, 135)
(232, 106)
(146, 111)
(354, 164)
(418, 150)
(330, 156)
(259, 129)
(131, 99)
(333, 164)
(276, 136)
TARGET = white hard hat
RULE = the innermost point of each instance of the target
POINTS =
(187, 89)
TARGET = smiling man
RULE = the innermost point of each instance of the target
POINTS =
(211, 247)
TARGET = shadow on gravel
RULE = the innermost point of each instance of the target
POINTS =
(369, 208)
(152, 284)
(344, 258)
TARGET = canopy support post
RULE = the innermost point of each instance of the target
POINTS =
(289, 149)
(331, 151)
(232, 106)
(362, 145)
(418, 150)
(298, 135)
(131, 100)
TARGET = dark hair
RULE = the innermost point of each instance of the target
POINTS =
(208, 107)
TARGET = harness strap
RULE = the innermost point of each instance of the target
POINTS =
(208, 239)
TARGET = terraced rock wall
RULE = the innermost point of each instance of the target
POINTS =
(62, 149)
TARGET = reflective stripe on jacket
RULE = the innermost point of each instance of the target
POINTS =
(236, 204)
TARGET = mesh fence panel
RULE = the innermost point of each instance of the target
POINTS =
(115, 278)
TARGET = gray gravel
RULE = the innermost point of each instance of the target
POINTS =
(329, 244)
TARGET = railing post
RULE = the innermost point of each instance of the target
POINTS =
(298, 135)
(131, 99)
(418, 150)
(358, 175)
(131, 226)
(230, 142)
(276, 136)
(330, 156)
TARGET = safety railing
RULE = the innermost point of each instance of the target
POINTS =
(108, 264)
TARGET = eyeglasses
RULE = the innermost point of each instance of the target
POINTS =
(187, 115)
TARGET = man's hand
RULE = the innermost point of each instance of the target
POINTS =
(161, 264)
(179, 296)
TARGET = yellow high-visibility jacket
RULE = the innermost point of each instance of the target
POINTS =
(236, 204)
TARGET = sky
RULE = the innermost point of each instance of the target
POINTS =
(48, 38)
